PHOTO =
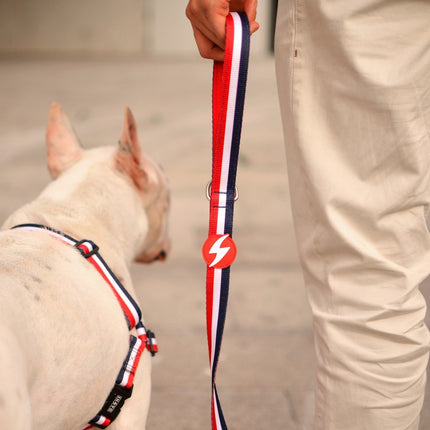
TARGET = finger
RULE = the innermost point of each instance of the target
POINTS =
(250, 8)
(206, 47)
(253, 27)
(214, 33)
(210, 22)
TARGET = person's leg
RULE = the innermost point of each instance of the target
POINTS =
(354, 85)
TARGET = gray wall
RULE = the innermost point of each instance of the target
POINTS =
(105, 28)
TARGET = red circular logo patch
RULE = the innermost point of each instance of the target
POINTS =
(219, 251)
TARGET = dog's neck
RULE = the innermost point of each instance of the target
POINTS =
(106, 212)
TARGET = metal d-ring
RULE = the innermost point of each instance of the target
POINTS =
(209, 187)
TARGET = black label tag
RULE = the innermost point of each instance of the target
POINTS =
(115, 402)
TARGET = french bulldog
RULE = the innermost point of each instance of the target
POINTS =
(63, 335)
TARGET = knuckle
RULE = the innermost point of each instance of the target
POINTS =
(191, 10)
(205, 53)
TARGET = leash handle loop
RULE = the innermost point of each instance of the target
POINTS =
(229, 85)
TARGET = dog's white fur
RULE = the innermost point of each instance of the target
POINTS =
(63, 336)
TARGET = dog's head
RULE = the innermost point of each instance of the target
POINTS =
(128, 162)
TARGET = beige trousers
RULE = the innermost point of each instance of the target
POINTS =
(354, 85)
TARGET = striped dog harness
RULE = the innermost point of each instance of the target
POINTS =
(123, 386)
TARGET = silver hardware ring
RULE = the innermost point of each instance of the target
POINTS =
(209, 187)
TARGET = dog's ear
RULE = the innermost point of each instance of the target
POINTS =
(61, 142)
(128, 157)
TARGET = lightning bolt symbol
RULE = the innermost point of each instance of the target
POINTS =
(220, 252)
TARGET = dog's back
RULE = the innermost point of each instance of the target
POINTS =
(64, 335)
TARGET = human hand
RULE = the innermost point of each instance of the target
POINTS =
(208, 19)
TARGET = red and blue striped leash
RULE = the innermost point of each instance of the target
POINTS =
(123, 386)
(219, 250)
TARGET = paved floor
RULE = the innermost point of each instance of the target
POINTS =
(265, 376)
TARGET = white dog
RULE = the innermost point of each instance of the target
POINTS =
(63, 334)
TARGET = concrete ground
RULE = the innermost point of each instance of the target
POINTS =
(265, 377)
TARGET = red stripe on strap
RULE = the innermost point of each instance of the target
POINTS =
(123, 305)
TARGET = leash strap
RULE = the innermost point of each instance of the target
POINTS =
(123, 387)
(219, 250)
